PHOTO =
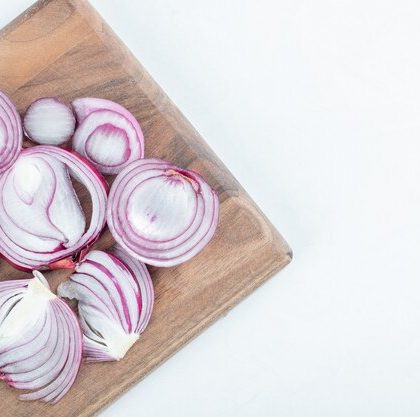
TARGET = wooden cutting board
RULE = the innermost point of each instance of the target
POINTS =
(64, 48)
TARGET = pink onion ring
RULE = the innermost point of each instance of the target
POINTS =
(108, 135)
(42, 224)
(161, 214)
(115, 302)
(10, 133)
(40, 340)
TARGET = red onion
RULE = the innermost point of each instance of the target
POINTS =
(109, 136)
(49, 121)
(41, 221)
(115, 303)
(10, 133)
(40, 340)
(161, 214)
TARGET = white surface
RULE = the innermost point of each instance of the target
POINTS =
(315, 107)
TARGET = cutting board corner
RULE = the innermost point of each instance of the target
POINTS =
(64, 48)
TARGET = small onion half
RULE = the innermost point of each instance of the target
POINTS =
(115, 301)
(42, 224)
(11, 133)
(40, 340)
(161, 214)
(108, 135)
(49, 121)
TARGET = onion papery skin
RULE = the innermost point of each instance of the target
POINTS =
(42, 224)
(40, 340)
(11, 133)
(115, 302)
(161, 214)
(49, 121)
(108, 135)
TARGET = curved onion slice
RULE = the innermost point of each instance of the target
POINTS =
(41, 221)
(40, 340)
(161, 214)
(10, 133)
(49, 121)
(115, 303)
(109, 136)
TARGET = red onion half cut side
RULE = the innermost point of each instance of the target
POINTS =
(161, 214)
(42, 224)
(108, 135)
(49, 121)
(115, 302)
(40, 340)
(11, 133)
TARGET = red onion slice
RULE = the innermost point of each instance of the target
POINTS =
(41, 221)
(40, 340)
(108, 135)
(10, 133)
(115, 303)
(161, 214)
(49, 121)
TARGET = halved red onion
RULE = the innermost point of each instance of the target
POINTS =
(49, 121)
(108, 135)
(115, 303)
(42, 224)
(10, 133)
(161, 214)
(40, 340)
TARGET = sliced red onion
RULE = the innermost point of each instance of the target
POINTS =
(49, 121)
(115, 303)
(161, 214)
(40, 340)
(108, 135)
(10, 133)
(41, 221)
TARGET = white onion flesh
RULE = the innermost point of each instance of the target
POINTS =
(11, 133)
(108, 135)
(115, 301)
(49, 121)
(40, 340)
(41, 220)
(161, 214)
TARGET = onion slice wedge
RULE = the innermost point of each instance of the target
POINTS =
(11, 133)
(161, 214)
(108, 135)
(42, 224)
(40, 340)
(115, 301)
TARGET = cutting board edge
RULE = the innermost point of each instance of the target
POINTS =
(279, 247)
(25, 15)
(173, 349)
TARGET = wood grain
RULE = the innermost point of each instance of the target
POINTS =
(64, 48)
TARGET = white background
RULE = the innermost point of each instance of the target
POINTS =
(315, 107)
